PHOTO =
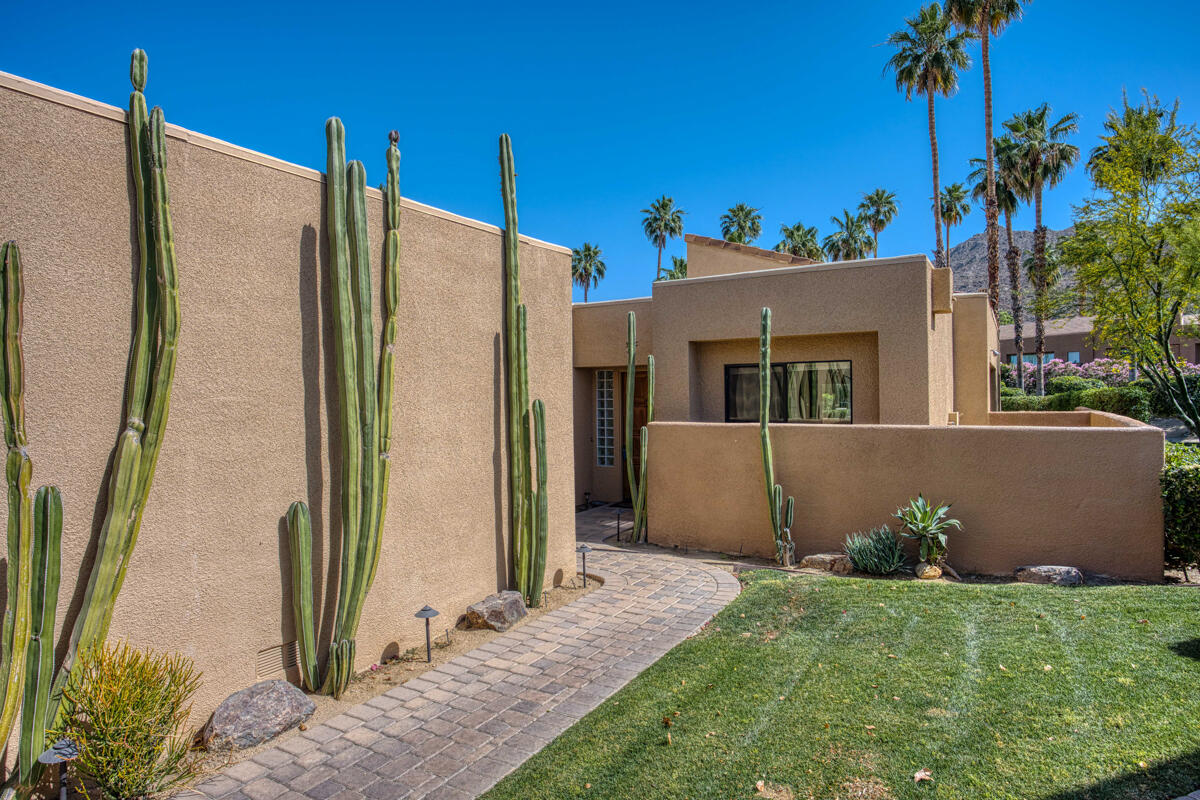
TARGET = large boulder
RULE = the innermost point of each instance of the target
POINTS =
(498, 611)
(837, 563)
(1059, 576)
(254, 715)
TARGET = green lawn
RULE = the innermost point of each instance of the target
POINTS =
(844, 688)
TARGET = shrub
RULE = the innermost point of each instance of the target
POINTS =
(1160, 404)
(1021, 402)
(1180, 483)
(875, 553)
(1071, 383)
(1011, 391)
(927, 524)
(1128, 401)
(127, 709)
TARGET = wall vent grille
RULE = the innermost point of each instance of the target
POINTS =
(275, 660)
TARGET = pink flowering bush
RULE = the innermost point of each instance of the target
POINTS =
(1112, 371)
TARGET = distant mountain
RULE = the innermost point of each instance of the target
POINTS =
(968, 259)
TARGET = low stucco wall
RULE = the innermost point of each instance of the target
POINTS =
(252, 399)
(1087, 497)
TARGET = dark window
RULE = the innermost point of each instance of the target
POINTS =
(801, 391)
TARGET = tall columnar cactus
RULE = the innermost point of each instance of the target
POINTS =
(781, 516)
(637, 488)
(528, 509)
(35, 526)
(365, 409)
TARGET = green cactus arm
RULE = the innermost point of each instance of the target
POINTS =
(164, 315)
(137, 381)
(387, 353)
(299, 525)
(518, 446)
(542, 515)
(39, 671)
(640, 521)
(346, 358)
(524, 536)
(764, 416)
(19, 472)
(14, 360)
(10, 261)
(360, 265)
(791, 509)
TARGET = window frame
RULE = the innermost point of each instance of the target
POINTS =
(785, 364)
(609, 441)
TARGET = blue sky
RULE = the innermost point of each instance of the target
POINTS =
(780, 105)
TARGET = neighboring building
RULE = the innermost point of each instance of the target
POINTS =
(886, 386)
(1071, 339)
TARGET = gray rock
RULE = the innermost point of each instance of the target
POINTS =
(1059, 576)
(256, 714)
(498, 611)
(837, 563)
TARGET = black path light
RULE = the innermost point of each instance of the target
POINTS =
(427, 614)
(583, 550)
(60, 753)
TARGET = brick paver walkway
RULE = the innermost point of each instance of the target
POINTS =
(458, 729)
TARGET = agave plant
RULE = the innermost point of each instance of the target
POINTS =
(927, 523)
(875, 553)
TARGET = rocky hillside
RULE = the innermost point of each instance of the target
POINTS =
(968, 259)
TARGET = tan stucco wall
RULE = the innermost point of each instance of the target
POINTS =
(601, 330)
(707, 257)
(974, 361)
(861, 349)
(250, 409)
(889, 298)
(1086, 497)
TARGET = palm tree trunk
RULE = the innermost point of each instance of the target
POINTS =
(939, 259)
(1039, 291)
(585, 288)
(1014, 280)
(990, 209)
(947, 245)
(658, 272)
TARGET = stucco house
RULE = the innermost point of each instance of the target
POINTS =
(891, 387)
(1071, 339)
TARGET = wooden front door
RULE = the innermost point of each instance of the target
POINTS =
(639, 420)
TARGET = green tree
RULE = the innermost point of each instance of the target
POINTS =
(877, 209)
(1045, 158)
(741, 224)
(1136, 248)
(954, 208)
(663, 220)
(988, 18)
(1010, 193)
(928, 58)
(587, 267)
(800, 241)
(851, 239)
(678, 270)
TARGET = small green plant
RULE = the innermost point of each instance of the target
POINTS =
(1071, 383)
(1180, 483)
(127, 709)
(877, 552)
(927, 523)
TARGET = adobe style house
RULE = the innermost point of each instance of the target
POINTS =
(886, 386)
(1071, 339)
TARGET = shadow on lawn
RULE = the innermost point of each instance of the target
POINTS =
(1166, 780)
(1189, 648)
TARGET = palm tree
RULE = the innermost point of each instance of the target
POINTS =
(587, 268)
(663, 221)
(927, 60)
(678, 270)
(988, 18)
(800, 241)
(954, 208)
(741, 224)
(1010, 193)
(1045, 158)
(877, 209)
(851, 240)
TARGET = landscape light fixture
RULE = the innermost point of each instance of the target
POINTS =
(583, 550)
(427, 614)
(60, 753)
